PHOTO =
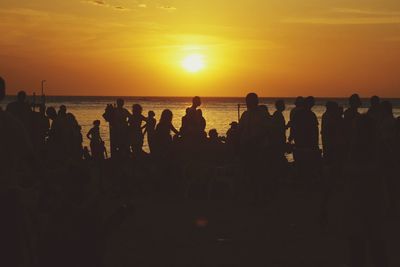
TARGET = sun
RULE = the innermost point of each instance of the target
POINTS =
(193, 63)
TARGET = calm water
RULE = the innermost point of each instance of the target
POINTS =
(219, 112)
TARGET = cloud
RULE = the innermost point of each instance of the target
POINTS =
(349, 16)
(167, 8)
(105, 4)
(355, 11)
(96, 2)
(344, 21)
(142, 5)
(121, 8)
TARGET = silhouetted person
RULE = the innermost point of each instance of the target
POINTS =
(135, 129)
(40, 129)
(305, 126)
(52, 115)
(150, 128)
(162, 137)
(332, 133)
(184, 123)
(214, 138)
(193, 124)
(350, 116)
(21, 110)
(118, 117)
(233, 138)
(279, 125)
(75, 138)
(17, 169)
(306, 136)
(215, 147)
(202, 124)
(62, 134)
(265, 109)
(96, 142)
(298, 105)
(252, 133)
(375, 111)
(251, 125)
(55, 136)
(365, 203)
(62, 111)
(388, 154)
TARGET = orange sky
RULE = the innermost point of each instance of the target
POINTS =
(273, 47)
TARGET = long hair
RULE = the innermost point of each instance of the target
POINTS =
(166, 116)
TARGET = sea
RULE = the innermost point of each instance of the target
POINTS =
(219, 112)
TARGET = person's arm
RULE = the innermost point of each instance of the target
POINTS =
(89, 134)
(174, 130)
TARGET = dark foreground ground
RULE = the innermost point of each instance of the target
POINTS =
(284, 231)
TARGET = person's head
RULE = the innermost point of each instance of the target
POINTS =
(387, 108)
(280, 105)
(213, 134)
(375, 101)
(71, 118)
(196, 101)
(151, 114)
(252, 101)
(332, 107)
(21, 96)
(309, 102)
(96, 123)
(120, 103)
(355, 101)
(166, 116)
(137, 109)
(2, 88)
(51, 113)
(62, 110)
(264, 109)
(299, 102)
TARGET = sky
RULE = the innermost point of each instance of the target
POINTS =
(136, 47)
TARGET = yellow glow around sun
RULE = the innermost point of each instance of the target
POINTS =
(193, 63)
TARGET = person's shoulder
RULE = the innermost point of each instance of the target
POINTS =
(11, 124)
(245, 114)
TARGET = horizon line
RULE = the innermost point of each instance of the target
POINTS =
(149, 96)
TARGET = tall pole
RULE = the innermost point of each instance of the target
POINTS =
(43, 98)
(238, 110)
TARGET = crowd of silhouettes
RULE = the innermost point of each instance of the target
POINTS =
(361, 147)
